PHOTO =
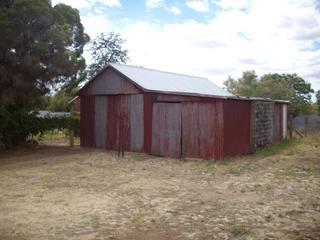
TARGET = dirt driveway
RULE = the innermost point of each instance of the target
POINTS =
(65, 193)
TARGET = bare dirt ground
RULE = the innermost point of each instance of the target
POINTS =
(73, 193)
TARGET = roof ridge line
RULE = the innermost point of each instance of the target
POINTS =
(180, 74)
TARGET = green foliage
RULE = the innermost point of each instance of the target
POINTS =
(244, 86)
(59, 102)
(106, 48)
(17, 126)
(41, 46)
(275, 86)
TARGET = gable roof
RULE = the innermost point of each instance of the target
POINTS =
(160, 81)
(150, 80)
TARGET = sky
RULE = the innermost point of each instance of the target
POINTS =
(212, 38)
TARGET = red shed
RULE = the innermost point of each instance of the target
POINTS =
(166, 114)
(75, 104)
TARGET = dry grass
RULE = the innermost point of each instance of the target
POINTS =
(64, 193)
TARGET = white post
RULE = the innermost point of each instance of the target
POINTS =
(284, 120)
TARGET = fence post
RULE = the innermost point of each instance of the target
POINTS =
(290, 126)
(71, 133)
(306, 120)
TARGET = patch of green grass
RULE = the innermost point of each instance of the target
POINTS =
(269, 218)
(207, 166)
(241, 231)
(238, 169)
(57, 136)
(295, 171)
(275, 148)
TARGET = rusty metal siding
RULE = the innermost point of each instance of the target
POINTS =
(100, 121)
(169, 98)
(166, 129)
(148, 99)
(207, 122)
(87, 121)
(136, 123)
(125, 123)
(277, 122)
(113, 106)
(236, 127)
(109, 83)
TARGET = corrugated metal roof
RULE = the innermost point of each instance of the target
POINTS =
(155, 80)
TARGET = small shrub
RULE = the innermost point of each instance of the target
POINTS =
(16, 125)
(240, 231)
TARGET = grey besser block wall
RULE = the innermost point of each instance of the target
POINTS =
(262, 123)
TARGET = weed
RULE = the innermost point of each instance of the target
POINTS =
(269, 218)
(295, 171)
(240, 231)
(238, 169)
(208, 167)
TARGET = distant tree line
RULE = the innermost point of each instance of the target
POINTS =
(289, 87)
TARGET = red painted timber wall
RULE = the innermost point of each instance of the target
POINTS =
(87, 121)
(236, 127)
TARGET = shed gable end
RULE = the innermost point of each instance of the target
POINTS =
(110, 82)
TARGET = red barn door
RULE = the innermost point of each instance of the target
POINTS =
(199, 128)
(166, 129)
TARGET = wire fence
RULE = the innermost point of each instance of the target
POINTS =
(307, 124)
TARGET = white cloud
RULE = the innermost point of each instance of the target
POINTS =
(232, 4)
(75, 4)
(198, 5)
(109, 3)
(174, 10)
(150, 4)
(263, 37)
(80, 4)
(125, 20)
(95, 24)
(154, 3)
